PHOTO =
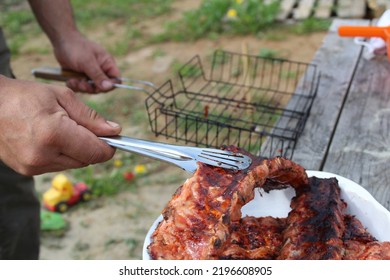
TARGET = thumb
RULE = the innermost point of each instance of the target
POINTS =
(100, 79)
(86, 116)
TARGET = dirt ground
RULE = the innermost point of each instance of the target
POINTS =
(114, 227)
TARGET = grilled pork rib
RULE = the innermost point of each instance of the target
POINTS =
(315, 225)
(203, 218)
(359, 244)
(355, 250)
(354, 231)
(197, 220)
(254, 239)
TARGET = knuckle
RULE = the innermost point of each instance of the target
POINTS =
(68, 92)
(47, 138)
(93, 115)
(30, 162)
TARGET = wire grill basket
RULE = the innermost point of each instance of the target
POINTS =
(259, 104)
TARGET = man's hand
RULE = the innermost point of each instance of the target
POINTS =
(72, 50)
(81, 55)
(46, 128)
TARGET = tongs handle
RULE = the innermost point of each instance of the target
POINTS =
(63, 75)
(57, 74)
(161, 151)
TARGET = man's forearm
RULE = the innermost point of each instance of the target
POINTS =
(55, 18)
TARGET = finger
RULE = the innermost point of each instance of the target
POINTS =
(110, 68)
(87, 149)
(101, 81)
(86, 116)
(81, 85)
(81, 144)
(62, 162)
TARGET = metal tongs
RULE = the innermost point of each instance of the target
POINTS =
(62, 75)
(182, 156)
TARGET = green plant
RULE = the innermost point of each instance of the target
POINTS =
(122, 100)
(158, 53)
(268, 53)
(89, 13)
(218, 57)
(222, 16)
(106, 178)
(19, 25)
(311, 25)
(251, 16)
(205, 20)
(121, 46)
(186, 70)
(131, 244)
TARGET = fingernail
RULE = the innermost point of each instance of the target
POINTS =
(106, 84)
(112, 124)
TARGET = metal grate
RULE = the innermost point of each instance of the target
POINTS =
(259, 104)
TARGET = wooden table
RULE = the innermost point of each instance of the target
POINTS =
(348, 130)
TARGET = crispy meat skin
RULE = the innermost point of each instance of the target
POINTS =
(197, 219)
(355, 250)
(360, 244)
(355, 231)
(254, 239)
(315, 224)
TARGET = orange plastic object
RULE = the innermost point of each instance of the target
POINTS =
(367, 32)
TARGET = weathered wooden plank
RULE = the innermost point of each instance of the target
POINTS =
(336, 59)
(360, 149)
(378, 7)
(285, 9)
(324, 9)
(383, 3)
(304, 9)
(351, 8)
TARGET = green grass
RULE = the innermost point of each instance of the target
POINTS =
(209, 20)
(310, 25)
(186, 70)
(269, 53)
(91, 13)
(106, 178)
(212, 18)
(20, 25)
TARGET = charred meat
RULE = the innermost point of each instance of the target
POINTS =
(203, 218)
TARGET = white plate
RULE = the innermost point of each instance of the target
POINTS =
(276, 203)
